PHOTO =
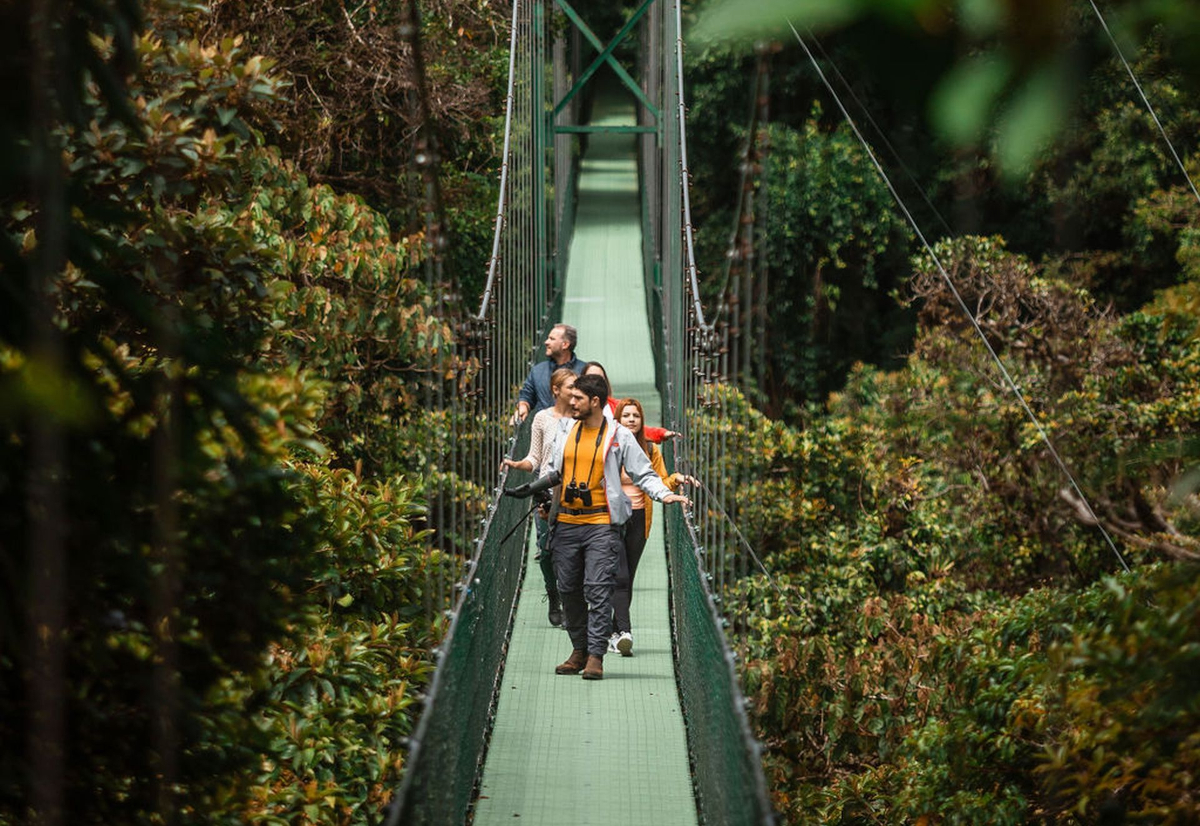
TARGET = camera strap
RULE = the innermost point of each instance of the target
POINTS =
(595, 453)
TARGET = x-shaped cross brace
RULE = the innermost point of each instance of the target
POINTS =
(605, 56)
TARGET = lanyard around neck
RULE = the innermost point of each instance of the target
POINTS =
(575, 455)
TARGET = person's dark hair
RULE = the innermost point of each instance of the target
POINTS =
(594, 387)
(570, 334)
(604, 375)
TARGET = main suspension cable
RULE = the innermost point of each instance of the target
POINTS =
(1145, 100)
(970, 317)
(683, 161)
(504, 161)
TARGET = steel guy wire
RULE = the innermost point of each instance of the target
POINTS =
(1145, 100)
(970, 317)
(750, 550)
(883, 135)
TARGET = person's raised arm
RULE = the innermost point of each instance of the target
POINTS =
(672, 480)
(643, 474)
(525, 399)
(539, 440)
(658, 435)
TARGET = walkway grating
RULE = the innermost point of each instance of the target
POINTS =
(565, 750)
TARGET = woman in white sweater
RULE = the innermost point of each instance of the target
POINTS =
(545, 424)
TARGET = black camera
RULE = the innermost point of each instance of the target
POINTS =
(539, 488)
(574, 491)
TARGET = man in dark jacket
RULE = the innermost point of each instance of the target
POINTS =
(535, 394)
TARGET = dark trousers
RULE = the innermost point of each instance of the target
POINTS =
(631, 555)
(544, 557)
(585, 562)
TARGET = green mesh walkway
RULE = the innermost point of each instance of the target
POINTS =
(564, 750)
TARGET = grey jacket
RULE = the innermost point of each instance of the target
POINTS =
(620, 450)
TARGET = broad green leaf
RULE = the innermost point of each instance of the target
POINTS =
(725, 21)
(1032, 120)
(966, 97)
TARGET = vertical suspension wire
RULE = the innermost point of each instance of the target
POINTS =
(712, 414)
(486, 410)
(523, 295)
(700, 452)
(731, 310)
(721, 455)
(537, 192)
(696, 399)
(450, 481)
(668, 175)
(744, 378)
(523, 247)
(760, 301)
(694, 413)
(708, 361)
(517, 311)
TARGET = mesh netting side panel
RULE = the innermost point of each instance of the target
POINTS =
(730, 788)
(451, 739)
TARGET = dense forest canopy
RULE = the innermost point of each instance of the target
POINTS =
(940, 639)
(214, 338)
(216, 330)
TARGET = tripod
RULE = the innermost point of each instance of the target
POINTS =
(520, 522)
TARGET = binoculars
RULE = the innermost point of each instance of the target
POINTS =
(575, 491)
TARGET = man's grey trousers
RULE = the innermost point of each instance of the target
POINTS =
(585, 565)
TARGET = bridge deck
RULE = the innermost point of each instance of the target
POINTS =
(565, 750)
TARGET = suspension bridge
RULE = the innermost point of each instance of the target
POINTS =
(592, 229)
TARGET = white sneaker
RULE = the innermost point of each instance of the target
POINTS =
(625, 644)
(612, 642)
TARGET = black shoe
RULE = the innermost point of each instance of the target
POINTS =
(555, 612)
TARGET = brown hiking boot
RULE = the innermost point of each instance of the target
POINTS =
(574, 663)
(595, 668)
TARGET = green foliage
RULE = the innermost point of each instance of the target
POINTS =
(1017, 82)
(351, 73)
(340, 687)
(1063, 707)
(936, 645)
(348, 304)
(833, 245)
(168, 457)
(245, 357)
